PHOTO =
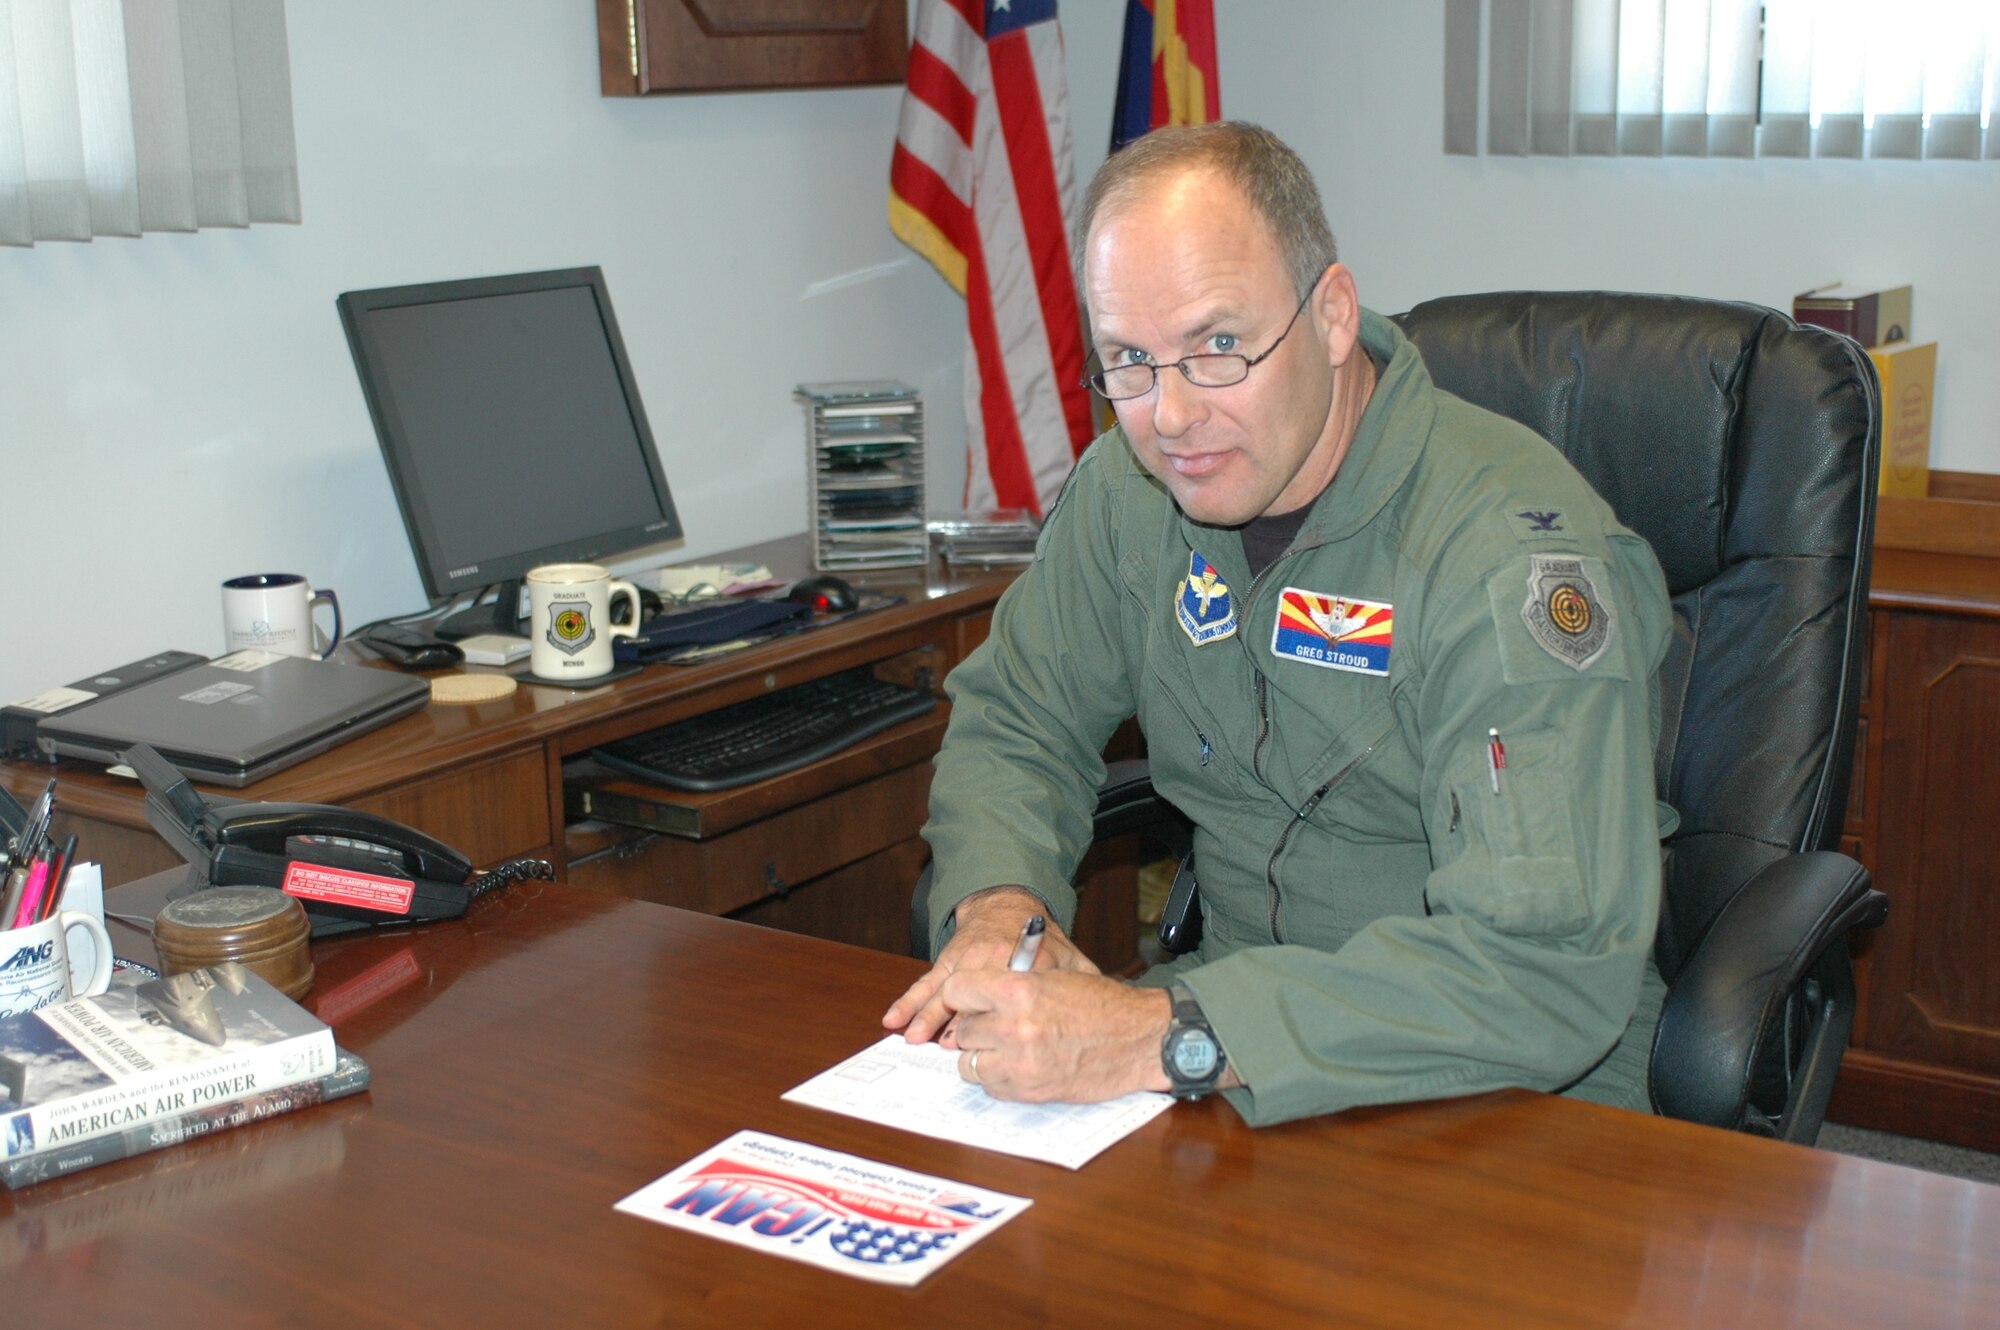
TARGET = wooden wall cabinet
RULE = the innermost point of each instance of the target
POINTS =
(652, 46)
(1924, 816)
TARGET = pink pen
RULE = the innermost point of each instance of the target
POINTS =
(29, 910)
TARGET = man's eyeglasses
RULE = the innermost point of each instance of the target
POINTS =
(1206, 371)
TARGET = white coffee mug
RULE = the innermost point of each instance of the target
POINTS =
(36, 961)
(273, 612)
(569, 619)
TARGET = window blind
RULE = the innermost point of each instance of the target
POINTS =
(1722, 78)
(119, 117)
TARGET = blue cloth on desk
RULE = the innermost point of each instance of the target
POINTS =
(667, 634)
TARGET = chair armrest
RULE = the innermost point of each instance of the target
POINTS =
(1725, 1014)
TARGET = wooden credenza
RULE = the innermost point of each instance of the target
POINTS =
(831, 849)
(1924, 816)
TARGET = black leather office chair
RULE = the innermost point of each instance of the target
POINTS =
(1744, 447)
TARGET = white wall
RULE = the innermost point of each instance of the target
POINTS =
(179, 409)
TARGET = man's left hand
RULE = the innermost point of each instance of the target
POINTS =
(1054, 1035)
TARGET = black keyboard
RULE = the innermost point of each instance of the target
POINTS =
(766, 736)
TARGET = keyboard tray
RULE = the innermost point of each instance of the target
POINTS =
(593, 791)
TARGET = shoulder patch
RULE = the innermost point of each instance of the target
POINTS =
(1566, 612)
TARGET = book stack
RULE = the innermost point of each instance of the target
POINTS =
(986, 539)
(156, 1061)
(1880, 321)
(865, 449)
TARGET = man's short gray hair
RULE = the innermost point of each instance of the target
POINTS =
(1256, 161)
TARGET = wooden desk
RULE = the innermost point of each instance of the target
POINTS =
(559, 1048)
(830, 850)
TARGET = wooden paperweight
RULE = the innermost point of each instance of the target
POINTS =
(261, 927)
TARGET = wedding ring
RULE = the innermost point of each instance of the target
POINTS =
(972, 1066)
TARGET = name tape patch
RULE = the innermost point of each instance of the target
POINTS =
(1334, 632)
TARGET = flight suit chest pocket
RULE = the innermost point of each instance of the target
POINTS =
(1511, 854)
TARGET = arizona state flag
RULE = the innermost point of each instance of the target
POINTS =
(1167, 71)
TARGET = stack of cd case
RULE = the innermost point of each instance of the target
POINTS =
(865, 459)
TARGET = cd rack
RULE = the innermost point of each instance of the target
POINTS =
(865, 460)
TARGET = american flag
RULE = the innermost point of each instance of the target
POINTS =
(982, 185)
(1167, 70)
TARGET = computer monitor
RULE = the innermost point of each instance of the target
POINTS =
(512, 430)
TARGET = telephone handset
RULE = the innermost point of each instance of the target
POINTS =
(350, 870)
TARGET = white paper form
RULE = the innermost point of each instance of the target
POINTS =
(916, 1087)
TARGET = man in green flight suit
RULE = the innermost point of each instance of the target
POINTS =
(1392, 656)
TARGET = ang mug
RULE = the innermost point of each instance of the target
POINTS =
(569, 618)
(274, 612)
(39, 966)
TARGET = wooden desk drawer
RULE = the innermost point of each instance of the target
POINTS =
(766, 857)
(493, 811)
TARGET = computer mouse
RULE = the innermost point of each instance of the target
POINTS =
(826, 593)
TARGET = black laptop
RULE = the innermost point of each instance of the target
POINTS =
(238, 718)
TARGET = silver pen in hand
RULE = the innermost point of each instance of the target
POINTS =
(1030, 943)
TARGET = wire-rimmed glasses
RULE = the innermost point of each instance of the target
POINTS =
(1121, 382)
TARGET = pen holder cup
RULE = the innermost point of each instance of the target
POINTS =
(263, 929)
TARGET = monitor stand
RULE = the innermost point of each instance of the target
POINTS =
(497, 616)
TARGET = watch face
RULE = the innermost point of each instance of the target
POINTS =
(1193, 1054)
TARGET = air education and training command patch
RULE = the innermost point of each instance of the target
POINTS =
(1565, 612)
(1202, 603)
(1334, 632)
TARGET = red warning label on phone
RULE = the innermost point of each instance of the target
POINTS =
(344, 886)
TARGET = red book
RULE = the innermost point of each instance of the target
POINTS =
(1869, 317)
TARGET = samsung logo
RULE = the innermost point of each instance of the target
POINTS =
(466, 571)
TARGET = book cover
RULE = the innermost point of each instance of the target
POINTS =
(1907, 374)
(350, 1075)
(158, 1049)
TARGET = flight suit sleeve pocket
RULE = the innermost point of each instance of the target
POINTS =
(1511, 856)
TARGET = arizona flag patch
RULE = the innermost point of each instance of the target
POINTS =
(1334, 632)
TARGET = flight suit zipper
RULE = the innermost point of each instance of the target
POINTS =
(1305, 811)
(1263, 726)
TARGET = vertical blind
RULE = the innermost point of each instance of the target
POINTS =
(119, 117)
(1722, 78)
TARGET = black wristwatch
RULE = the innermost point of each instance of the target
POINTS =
(1190, 1053)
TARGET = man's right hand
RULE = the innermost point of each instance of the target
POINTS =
(988, 925)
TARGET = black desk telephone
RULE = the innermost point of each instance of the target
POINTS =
(350, 870)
